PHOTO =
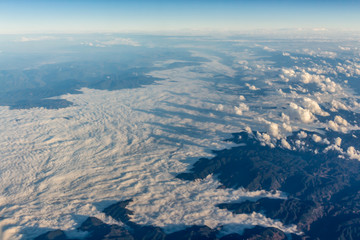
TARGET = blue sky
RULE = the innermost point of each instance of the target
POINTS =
(63, 16)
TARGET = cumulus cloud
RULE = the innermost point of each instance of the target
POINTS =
(242, 98)
(323, 82)
(252, 87)
(302, 134)
(353, 153)
(316, 138)
(338, 141)
(273, 129)
(339, 124)
(314, 107)
(220, 107)
(241, 108)
(265, 139)
(335, 105)
(301, 114)
(287, 127)
(285, 144)
(248, 130)
(285, 118)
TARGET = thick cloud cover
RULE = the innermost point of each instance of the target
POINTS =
(66, 164)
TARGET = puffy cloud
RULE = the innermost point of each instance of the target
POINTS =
(335, 105)
(314, 107)
(242, 98)
(299, 144)
(341, 121)
(301, 114)
(252, 87)
(302, 134)
(241, 108)
(285, 118)
(285, 144)
(324, 83)
(248, 130)
(265, 139)
(288, 72)
(339, 124)
(316, 138)
(338, 141)
(220, 107)
(287, 127)
(274, 129)
(353, 153)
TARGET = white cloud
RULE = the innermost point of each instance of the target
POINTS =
(64, 169)
(314, 107)
(121, 41)
(285, 118)
(37, 38)
(285, 144)
(273, 129)
(337, 105)
(302, 134)
(248, 130)
(353, 153)
(252, 87)
(242, 98)
(338, 141)
(316, 138)
(241, 108)
(301, 114)
(220, 107)
(265, 139)
(339, 125)
(341, 121)
(287, 127)
(113, 42)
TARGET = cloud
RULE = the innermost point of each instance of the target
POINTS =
(121, 41)
(113, 42)
(38, 38)
(338, 141)
(314, 107)
(339, 125)
(301, 114)
(323, 82)
(274, 129)
(115, 145)
(335, 105)
(316, 138)
(241, 108)
(220, 107)
(302, 134)
(353, 153)
(252, 87)
(287, 127)
(265, 139)
(285, 144)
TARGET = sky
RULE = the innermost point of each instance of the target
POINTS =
(80, 16)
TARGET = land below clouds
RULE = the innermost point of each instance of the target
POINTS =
(323, 193)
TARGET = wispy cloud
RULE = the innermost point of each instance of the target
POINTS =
(113, 42)
(38, 38)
